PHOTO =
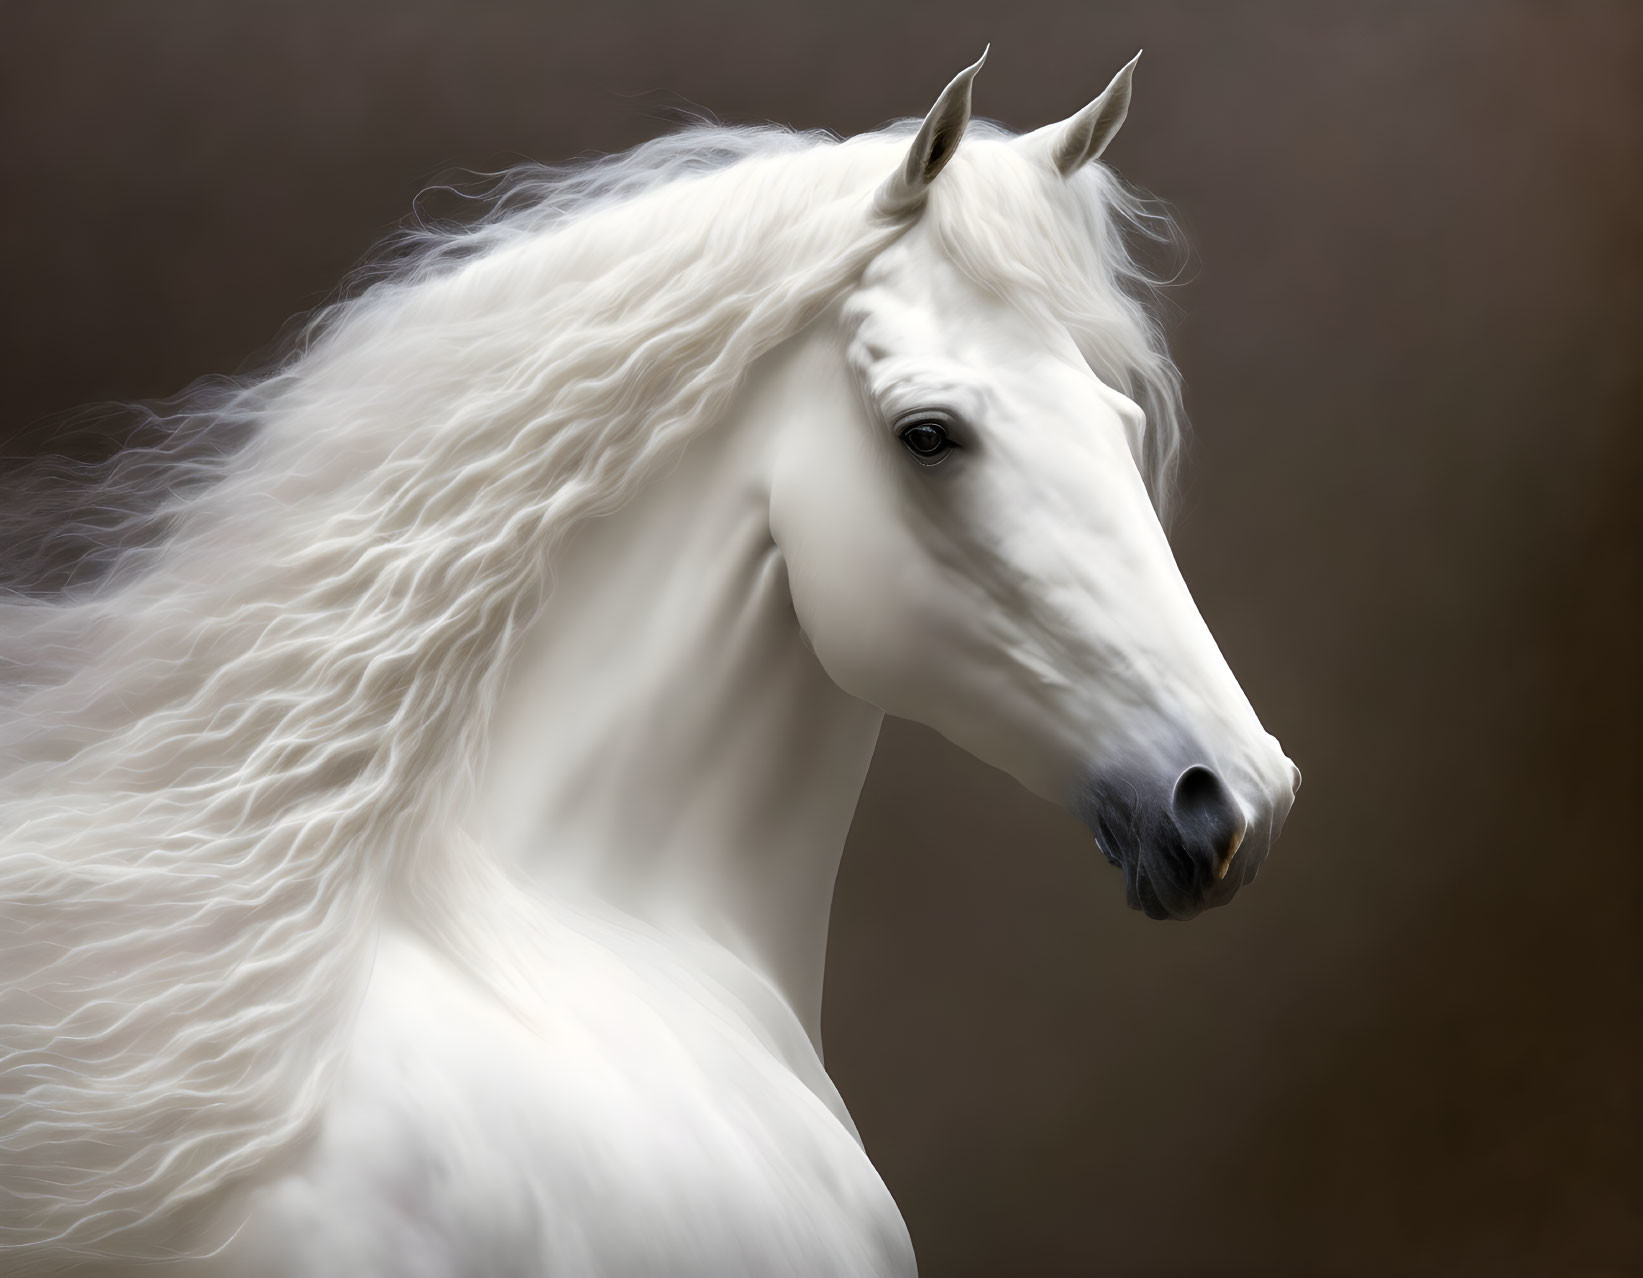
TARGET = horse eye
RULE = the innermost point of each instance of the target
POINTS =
(927, 440)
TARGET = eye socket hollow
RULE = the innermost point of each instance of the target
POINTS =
(927, 439)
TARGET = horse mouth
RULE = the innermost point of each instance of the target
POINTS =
(1142, 892)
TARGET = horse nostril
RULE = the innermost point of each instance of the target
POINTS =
(1201, 795)
(1294, 780)
(1208, 816)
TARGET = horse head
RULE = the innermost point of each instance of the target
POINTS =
(970, 537)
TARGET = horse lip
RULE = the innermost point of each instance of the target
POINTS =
(1159, 905)
(1153, 896)
(1143, 896)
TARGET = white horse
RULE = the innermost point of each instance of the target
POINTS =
(419, 840)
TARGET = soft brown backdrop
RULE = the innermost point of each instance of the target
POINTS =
(1409, 332)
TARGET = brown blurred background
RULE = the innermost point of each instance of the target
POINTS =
(1410, 334)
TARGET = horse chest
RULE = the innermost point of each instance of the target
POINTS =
(628, 1139)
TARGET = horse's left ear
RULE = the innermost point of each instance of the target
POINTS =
(938, 137)
(1074, 142)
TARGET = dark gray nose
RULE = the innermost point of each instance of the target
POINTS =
(1183, 845)
(1209, 819)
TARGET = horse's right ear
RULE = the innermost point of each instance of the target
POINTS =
(938, 137)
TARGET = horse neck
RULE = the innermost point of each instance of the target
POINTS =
(666, 743)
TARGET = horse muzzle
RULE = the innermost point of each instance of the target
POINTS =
(1184, 844)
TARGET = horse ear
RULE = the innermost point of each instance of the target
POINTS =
(1074, 142)
(938, 137)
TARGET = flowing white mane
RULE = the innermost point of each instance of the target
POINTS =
(246, 674)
